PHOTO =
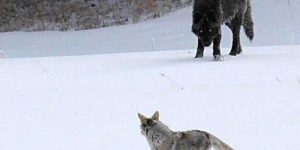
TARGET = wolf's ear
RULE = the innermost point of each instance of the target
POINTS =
(142, 118)
(155, 116)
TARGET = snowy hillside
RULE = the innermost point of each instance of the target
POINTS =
(274, 25)
(91, 102)
(58, 15)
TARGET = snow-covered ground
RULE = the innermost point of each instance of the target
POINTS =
(275, 24)
(91, 102)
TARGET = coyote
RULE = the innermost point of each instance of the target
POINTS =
(160, 137)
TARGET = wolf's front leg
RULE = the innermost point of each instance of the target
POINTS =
(217, 51)
(200, 49)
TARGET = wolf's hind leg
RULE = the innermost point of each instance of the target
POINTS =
(240, 50)
(235, 28)
(200, 49)
(229, 25)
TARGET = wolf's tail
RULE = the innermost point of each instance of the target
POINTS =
(248, 22)
(218, 144)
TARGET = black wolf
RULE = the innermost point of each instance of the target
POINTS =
(209, 15)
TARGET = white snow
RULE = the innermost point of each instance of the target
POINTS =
(275, 24)
(91, 102)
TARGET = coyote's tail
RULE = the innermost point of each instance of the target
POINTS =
(218, 144)
(248, 22)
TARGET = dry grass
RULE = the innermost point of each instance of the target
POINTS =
(40, 15)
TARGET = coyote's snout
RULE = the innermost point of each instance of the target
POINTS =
(160, 137)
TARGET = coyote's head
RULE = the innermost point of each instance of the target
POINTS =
(148, 123)
(158, 135)
(152, 126)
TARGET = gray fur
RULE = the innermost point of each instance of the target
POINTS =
(160, 137)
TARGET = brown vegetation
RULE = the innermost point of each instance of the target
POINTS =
(40, 15)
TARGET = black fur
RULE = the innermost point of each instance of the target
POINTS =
(209, 15)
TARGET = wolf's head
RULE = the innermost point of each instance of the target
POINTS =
(206, 26)
(152, 125)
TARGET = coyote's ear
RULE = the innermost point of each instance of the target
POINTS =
(155, 116)
(142, 118)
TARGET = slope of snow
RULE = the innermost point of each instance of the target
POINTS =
(91, 102)
(275, 24)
